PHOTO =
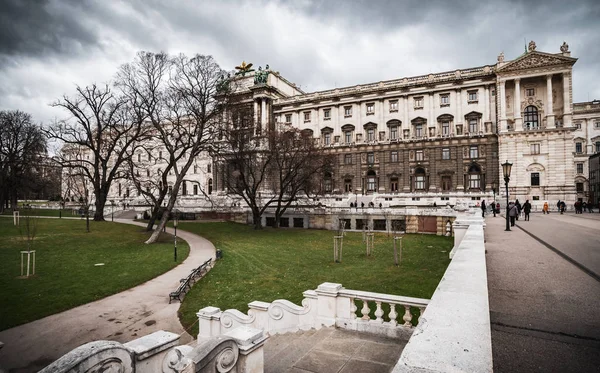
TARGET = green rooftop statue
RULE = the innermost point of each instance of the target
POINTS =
(260, 77)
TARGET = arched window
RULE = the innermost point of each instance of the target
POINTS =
(371, 181)
(420, 179)
(474, 177)
(210, 186)
(327, 182)
(531, 118)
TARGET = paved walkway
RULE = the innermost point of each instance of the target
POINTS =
(331, 350)
(544, 301)
(121, 317)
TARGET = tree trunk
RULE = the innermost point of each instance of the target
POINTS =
(153, 217)
(256, 219)
(99, 205)
(161, 225)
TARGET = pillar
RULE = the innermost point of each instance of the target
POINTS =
(459, 117)
(567, 114)
(487, 125)
(405, 121)
(430, 119)
(549, 103)
(256, 111)
(502, 94)
(517, 106)
(263, 112)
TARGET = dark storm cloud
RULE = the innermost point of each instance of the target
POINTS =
(35, 28)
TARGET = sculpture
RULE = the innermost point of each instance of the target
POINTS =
(532, 46)
(564, 47)
(244, 68)
(501, 57)
(260, 77)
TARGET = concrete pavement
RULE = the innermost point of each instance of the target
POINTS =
(121, 317)
(544, 309)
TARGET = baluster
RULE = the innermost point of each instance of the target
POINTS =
(378, 313)
(407, 316)
(422, 311)
(365, 310)
(352, 309)
(393, 315)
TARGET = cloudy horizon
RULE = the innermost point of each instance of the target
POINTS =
(49, 47)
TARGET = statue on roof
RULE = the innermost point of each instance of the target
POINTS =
(564, 47)
(243, 68)
(501, 57)
(532, 46)
(260, 77)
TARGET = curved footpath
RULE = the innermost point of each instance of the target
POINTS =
(120, 317)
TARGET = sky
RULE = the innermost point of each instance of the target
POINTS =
(48, 47)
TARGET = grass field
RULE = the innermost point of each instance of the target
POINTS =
(66, 275)
(280, 264)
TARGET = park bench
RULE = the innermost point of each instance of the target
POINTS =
(186, 283)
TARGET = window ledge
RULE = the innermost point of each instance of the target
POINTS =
(306, 121)
(393, 110)
(348, 116)
(444, 105)
(473, 102)
(327, 118)
(418, 108)
(370, 113)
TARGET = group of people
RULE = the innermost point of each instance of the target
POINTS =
(580, 207)
(515, 208)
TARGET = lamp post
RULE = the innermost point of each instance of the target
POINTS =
(356, 200)
(494, 192)
(506, 166)
(175, 221)
(112, 210)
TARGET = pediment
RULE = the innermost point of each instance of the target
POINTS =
(532, 60)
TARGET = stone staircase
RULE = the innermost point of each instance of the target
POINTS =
(331, 350)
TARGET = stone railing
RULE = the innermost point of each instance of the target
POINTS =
(329, 305)
(241, 351)
(454, 331)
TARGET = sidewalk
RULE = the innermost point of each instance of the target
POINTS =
(545, 311)
(120, 317)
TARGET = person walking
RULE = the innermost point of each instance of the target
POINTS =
(527, 209)
(483, 207)
(545, 208)
(497, 207)
(563, 207)
(513, 211)
(519, 208)
(558, 205)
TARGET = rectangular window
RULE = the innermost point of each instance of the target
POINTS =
(393, 106)
(394, 156)
(578, 148)
(348, 185)
(597, 124)
(474, 181)
(347, 111)
(370, 109)
(328, 185)
(579, 168)
(578, 126)
(406, 134)
(371, 134)
(348, 137)
(160, 155)
(419, 130)
(530, 92)
(393, 132)
(446, 183)
(472, 96)
(195, 189)
(327, 138)
(326, 114)
(445, 128)
(474, 151)
(288, 119)
(394, 184)
(597, 146)
(418, 103)
(472, 126)
(535, 148)
(419, 155)
(445, 99)
(370, 158)
(446, 153)
(420, 182)
(307, 116)
(579, 187)
(535, 179)
(208, 167)
(371, 185)
(347, 158)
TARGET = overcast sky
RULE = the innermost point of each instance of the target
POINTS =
(49, 47)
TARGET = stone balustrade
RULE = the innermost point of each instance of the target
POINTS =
(328, 305)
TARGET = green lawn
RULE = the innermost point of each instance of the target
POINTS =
(65, 272)
(280, 264)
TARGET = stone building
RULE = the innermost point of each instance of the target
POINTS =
(586, 142)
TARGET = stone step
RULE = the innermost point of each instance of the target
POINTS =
(284, 350)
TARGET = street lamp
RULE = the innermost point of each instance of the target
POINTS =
(494, 192)
(175, 221)
(356, 200)
(506, 170)
(112, 210)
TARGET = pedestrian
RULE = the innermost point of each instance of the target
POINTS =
(527, 209)
(519, 208)
(483, 207)
(558, 204)
(590, 206)
(583, 207)
(513, 211)
(545, 208)
(498, 207)
(563, 207)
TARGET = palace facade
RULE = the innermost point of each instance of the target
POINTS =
(435, 138)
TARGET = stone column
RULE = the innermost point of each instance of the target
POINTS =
(502, 93)
(459, 118)
(549, 103)
(263, 111)
(517, 106)
(326, 303)
(405, 120)
(430, 119)
(256, 112)
(487, 126)
(567, 113)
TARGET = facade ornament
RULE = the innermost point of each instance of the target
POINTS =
(260, 77)
(532, 46)
(457, 74)
(564, 47)
(501, 57)
(430, 78)
(243, 68)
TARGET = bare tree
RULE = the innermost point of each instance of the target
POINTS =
(99, 131)
(182, 100)
(22, 146)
